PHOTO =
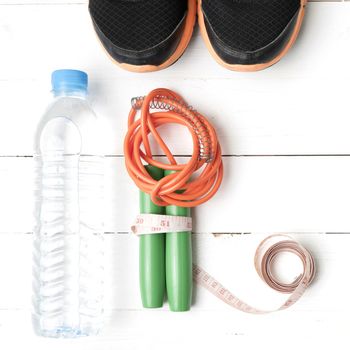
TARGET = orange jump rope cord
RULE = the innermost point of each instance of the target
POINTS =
(170, 108)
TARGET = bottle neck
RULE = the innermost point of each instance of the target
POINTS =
(70, 93)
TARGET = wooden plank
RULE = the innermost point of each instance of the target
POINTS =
(203, 330)
(297, 107)
(259, 194)
(228, 254)
(77, 38)
(322, 310)
(243, 128)
(292, 108)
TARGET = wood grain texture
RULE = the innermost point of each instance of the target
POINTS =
(284, 132)
(322, 312)
(259, 194)
(291, 108)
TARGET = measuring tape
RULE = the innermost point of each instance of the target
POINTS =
(153, 223)
(264, 258)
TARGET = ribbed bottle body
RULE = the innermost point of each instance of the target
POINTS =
(68, 233)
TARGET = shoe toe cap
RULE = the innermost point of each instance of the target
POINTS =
(242, 34)
(139, 33)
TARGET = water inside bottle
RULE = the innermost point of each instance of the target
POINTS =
(68, 235)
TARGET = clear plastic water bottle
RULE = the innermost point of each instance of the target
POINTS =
(68, 233)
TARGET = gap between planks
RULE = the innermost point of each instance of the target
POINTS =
(215, 234)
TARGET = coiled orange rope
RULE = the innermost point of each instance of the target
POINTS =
(160, 107)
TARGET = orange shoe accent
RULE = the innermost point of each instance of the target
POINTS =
(251, 67)
(206, 152)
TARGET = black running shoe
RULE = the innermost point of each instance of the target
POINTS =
(250, 35)
(144, 35)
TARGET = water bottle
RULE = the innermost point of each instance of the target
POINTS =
(68, 233)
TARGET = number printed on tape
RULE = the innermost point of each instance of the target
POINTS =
(153, 223)
(264, 256)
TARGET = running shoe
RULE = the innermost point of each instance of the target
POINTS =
(144, 35)
(250, 35)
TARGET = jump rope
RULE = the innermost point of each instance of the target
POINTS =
(169, 190)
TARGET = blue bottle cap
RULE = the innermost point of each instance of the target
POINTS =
(69, 80)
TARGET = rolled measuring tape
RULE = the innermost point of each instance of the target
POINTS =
(264, 259)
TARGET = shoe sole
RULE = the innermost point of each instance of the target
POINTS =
(185, 40)
(252, 67)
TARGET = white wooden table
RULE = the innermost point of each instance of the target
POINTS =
(285, 137)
